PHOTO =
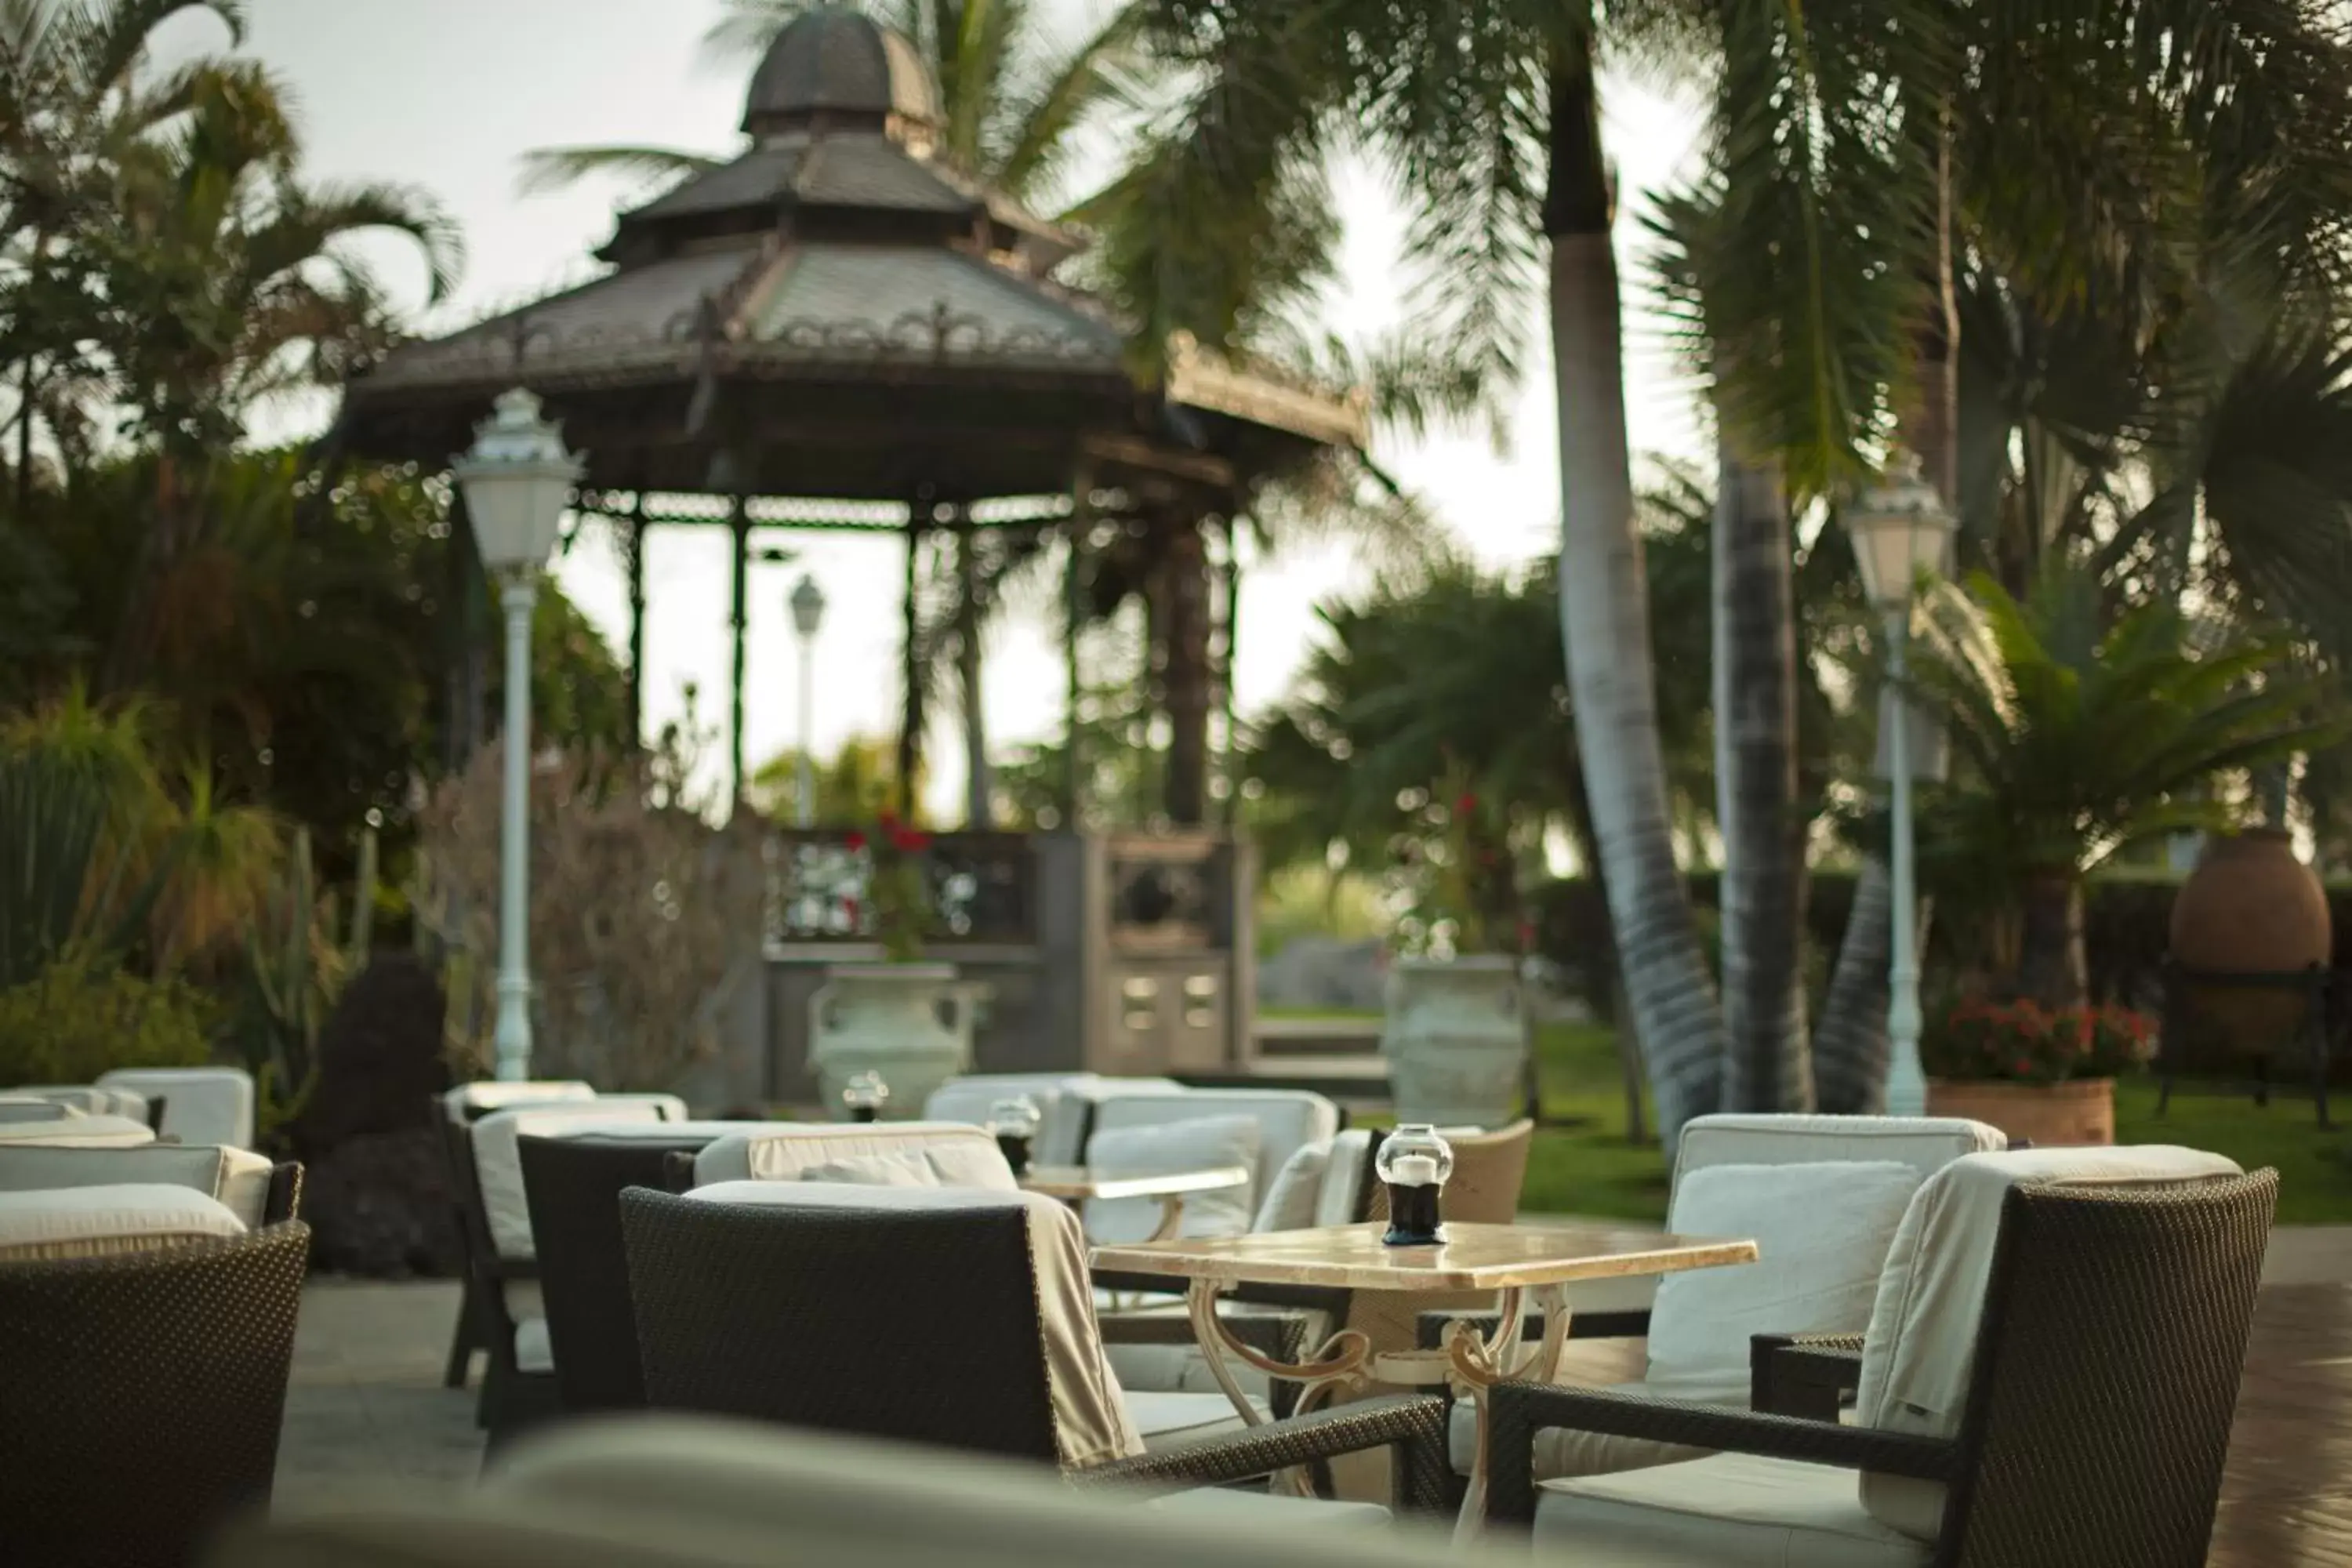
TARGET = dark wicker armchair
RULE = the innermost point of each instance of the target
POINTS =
(2099, 1401)
(574, 1186)
(141, 1396)
(925, 1326)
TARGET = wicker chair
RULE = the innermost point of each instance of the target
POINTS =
(141, 1396)
(820, 1306)
(2090, 1410)
(461, 1106)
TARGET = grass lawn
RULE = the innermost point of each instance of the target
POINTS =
(1589, 1168)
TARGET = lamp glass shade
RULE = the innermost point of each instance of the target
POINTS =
(808, 607)
(1900, 529)
(518, 481)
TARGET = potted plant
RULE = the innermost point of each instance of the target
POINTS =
(907, 1021)
(1456, 1030)
(2039, 1073)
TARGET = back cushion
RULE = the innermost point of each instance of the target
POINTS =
(35, 1108)
(963, 1155)
(238, 1178)
(1297, 1191)
(1822, 1232)
(1921, 1345)
(201, 1105)
(1204, 1144)
(1346, 1178)
(954, 1165)
(469, 1101)
(78, 1133)
(1288, 1119)
(1925, 1144)
(498, 1159)
(100, 1222)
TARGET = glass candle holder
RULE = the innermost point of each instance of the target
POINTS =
(1414, 1164)
(1015, 1123)
(865, 1095)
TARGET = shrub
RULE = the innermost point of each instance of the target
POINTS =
(2022, 1042)
(81, 1017)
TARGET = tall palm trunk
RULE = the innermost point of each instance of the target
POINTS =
(1767, 1067)
(978, 788)
(1184, 578)
(1849, 1042)
(1604, 617)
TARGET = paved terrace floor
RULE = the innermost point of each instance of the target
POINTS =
(367, 1402)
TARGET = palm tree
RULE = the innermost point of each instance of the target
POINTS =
(2081, 734)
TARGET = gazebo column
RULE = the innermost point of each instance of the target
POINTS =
(638, 622)
(1074, 618)
(1227, 667)
(979, 802)
(1187, 675)
(739, 527)
(910, 721)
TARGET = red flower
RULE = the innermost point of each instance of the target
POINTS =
(907, 840)
(888, 821)
(1466, 805)
(854, 839)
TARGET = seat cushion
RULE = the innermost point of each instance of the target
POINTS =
(1822, 1232)
(1297, 1191)
(237, 1177)
(17, 1108)
(1562, 1454)
(1920, 1350)
(104, 1221)
(78, 1132)
(1202, 1143)
(1259, 1511)
(1730, 1511)
(201, 1105)
(533, 1349)
(1166, 1420)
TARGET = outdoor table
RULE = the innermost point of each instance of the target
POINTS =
(1511, 1260)
(1076, 1184)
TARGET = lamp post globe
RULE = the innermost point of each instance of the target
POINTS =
(808, 615)
(1900, 529)
(517, 479)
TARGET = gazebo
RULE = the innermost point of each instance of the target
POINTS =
(838, 330)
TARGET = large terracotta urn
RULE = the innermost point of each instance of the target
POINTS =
(1455, 1041)
(2250, 908)
(911, 1023)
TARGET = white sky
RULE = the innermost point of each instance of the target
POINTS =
(448, 94)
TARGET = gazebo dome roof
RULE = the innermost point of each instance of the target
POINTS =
(834, 67)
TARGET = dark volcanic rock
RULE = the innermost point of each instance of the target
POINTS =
(378, 1205)
(380, 1065)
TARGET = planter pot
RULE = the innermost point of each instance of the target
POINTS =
(1455, 1041)
(2250, 908)
(2078, 1112)
(911, 1022)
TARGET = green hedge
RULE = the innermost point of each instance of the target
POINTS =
(2125, 924)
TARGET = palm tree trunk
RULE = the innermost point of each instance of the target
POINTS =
(1185, 574)
(1604, 617)
(1767, 1065)
(2051, 967)
(1849, 1042)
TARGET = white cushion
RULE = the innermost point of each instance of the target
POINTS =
(784, 1151)
(1297, 1191)
(1161, 1149)
(1288, 1119)
(1920, 1349)
(497, 1156)
(1822, 1232)
(201, 1105)
(1564, 1453)
(942, 1165)
(533, 1350)
(87, 1097)
(99, 1222)
(1062, 1103)
(1255, 1511)
(1925, 1144)
(78, 1133)
(1345, 1177)
(238, 1178)
(20, 1107)
(1169, 1420)
(1091, 1423)
(491, 1095)
(1729, 1510)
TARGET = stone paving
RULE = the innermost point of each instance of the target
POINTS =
(367, 1404)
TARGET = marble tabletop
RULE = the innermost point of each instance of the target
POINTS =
(1472, 1258)
(1076, 1182)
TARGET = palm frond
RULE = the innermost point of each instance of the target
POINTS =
(548, 170)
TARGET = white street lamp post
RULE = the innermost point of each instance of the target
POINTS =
(518, 480)
(1900, 530)
(808, 615)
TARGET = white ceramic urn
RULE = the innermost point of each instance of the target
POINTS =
(1455, 1041)
(909, 1023)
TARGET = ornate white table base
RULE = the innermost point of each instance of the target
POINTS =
(1471, 1363)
